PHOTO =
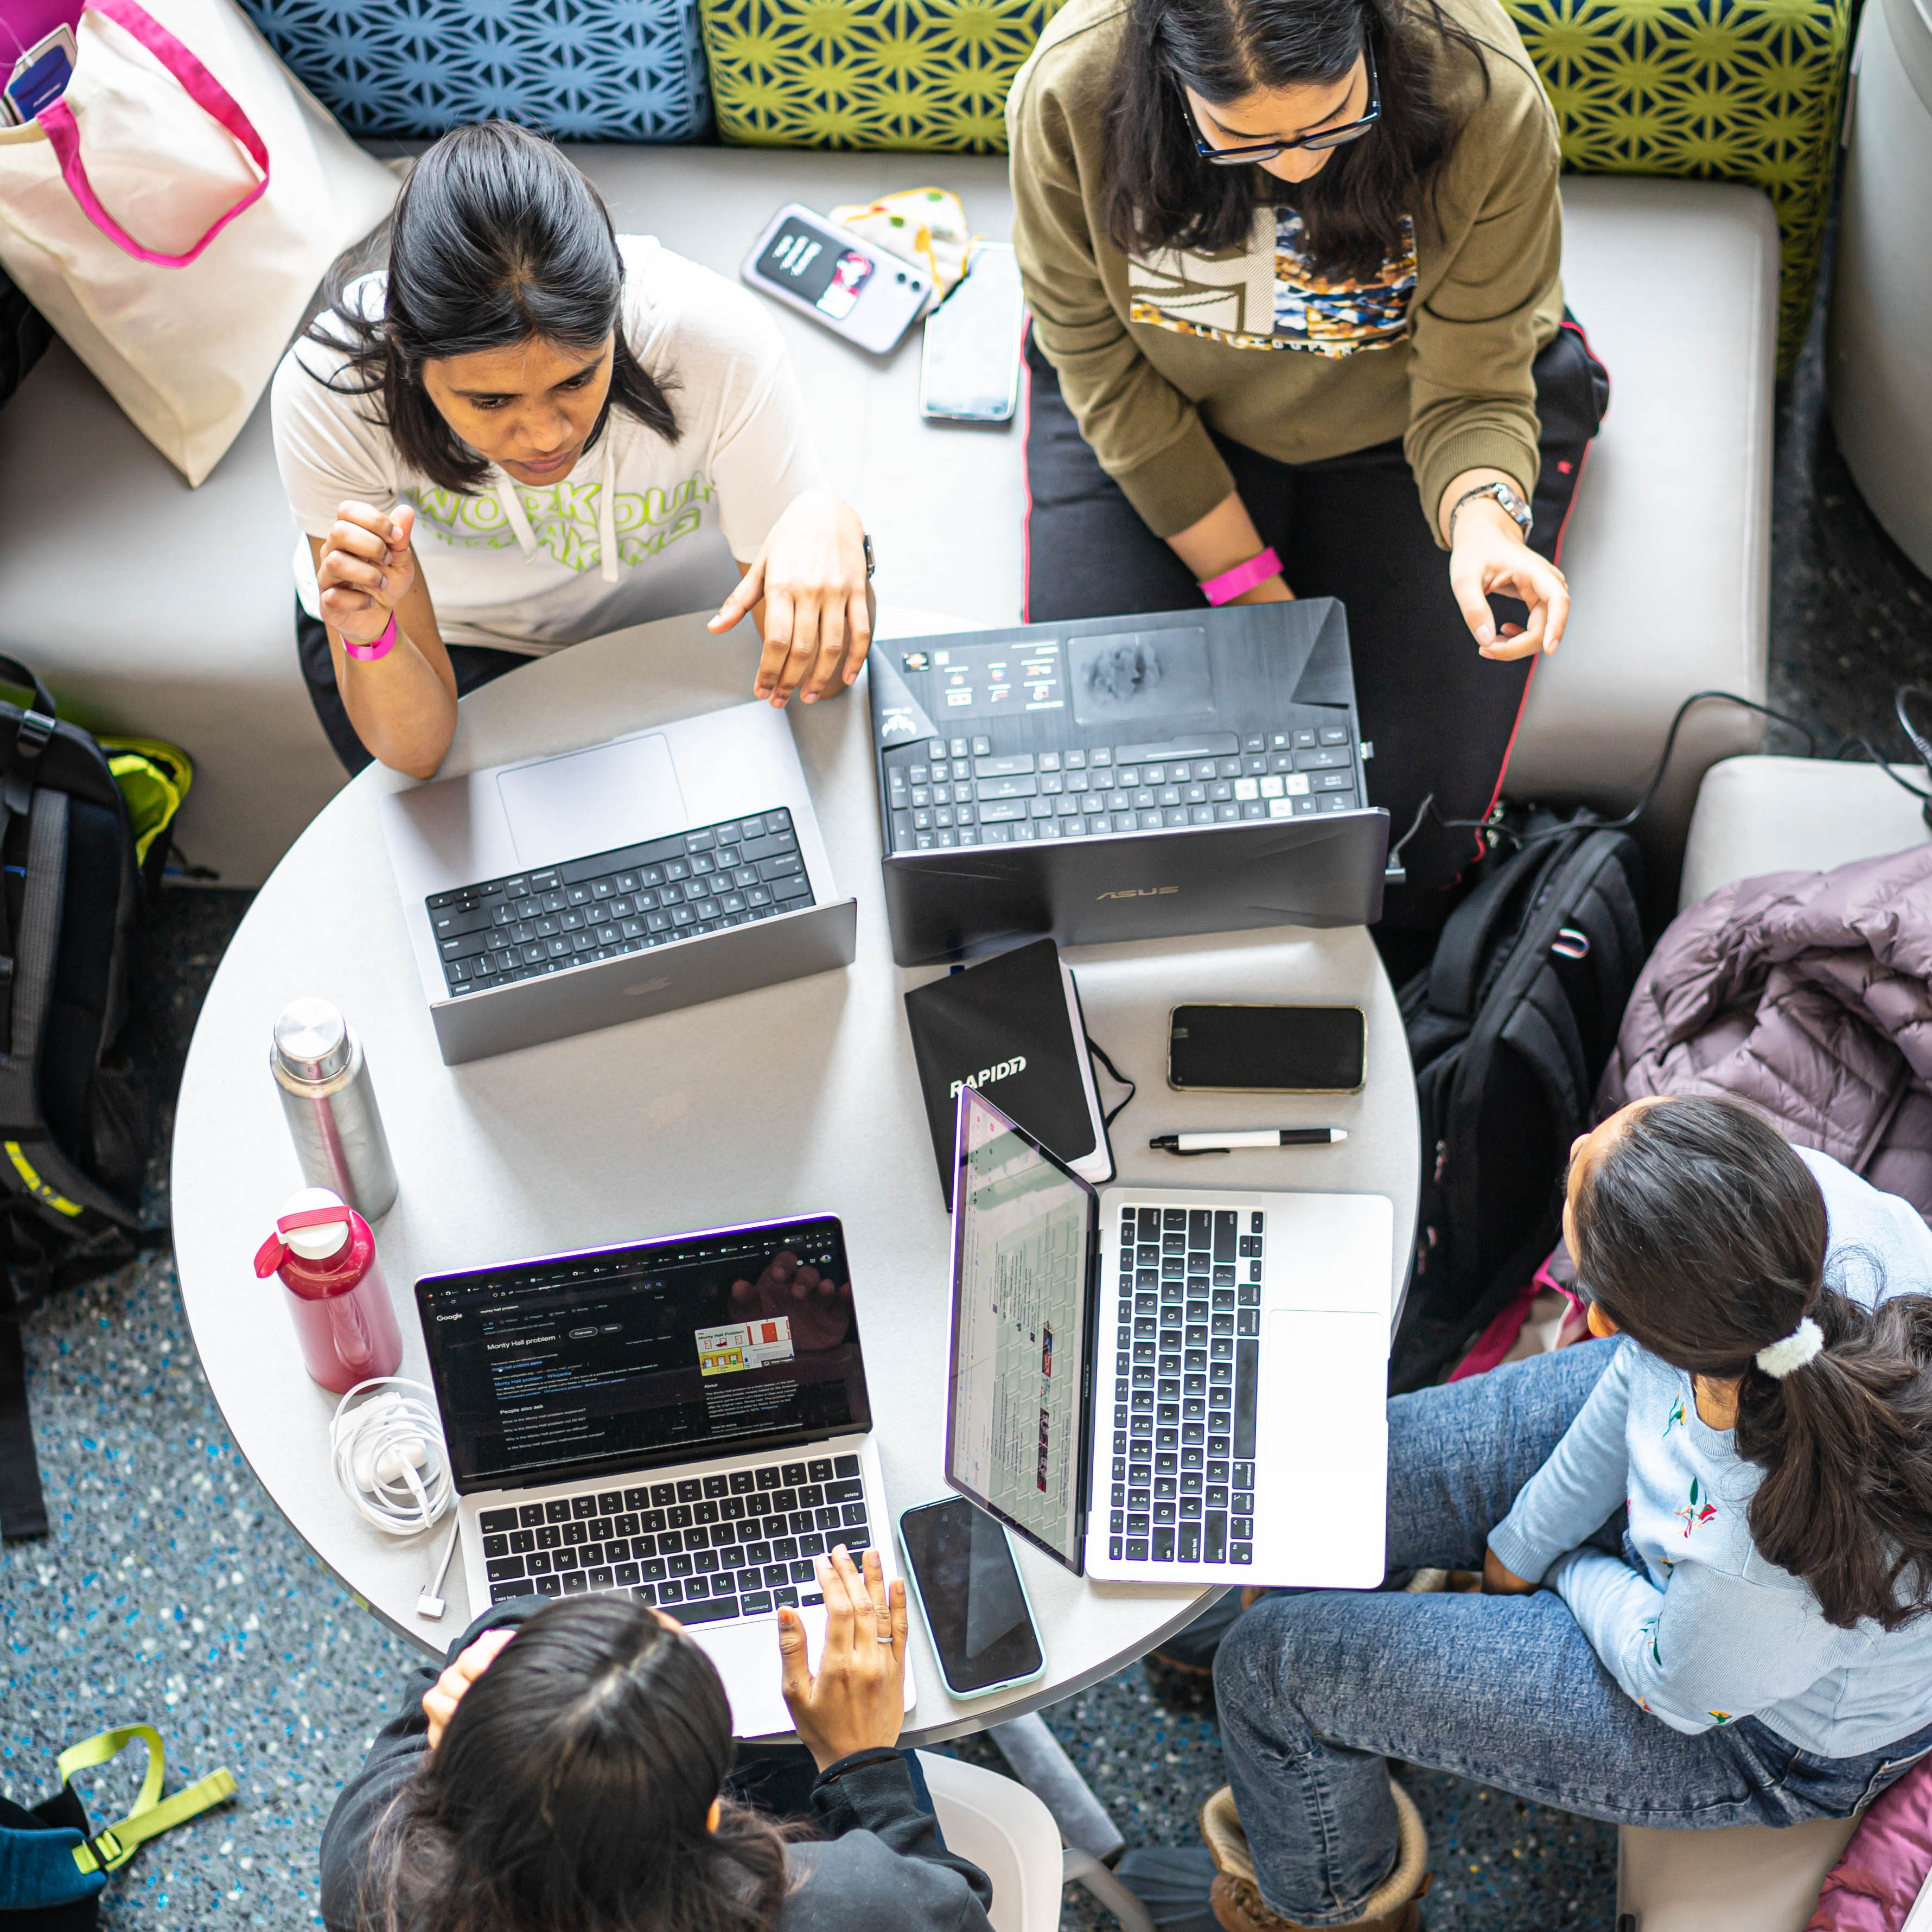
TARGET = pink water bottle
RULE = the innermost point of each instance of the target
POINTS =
(337, 1298)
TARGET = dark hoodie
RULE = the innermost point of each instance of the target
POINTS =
(880, 1861)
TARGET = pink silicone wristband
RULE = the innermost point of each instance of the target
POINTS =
(386, 643)
(1229, 585)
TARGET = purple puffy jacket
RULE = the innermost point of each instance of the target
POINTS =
(1810, 995)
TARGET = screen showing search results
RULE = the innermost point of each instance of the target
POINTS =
(1018, 1332)
(645, 1355)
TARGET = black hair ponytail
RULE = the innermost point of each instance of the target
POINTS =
(1703, 1235)
(497, 239)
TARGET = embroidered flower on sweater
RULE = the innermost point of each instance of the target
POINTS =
(1699, 1509)
(1721, 1716)
(1675, 1418)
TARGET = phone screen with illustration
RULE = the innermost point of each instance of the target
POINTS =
(820, 268)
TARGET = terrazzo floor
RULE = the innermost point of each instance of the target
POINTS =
(171, 1590)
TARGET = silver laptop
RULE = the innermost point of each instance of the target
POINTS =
(1165, 1386)
(670, 866)
(670, 1419)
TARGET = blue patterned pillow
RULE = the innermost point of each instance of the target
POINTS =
(581, 70)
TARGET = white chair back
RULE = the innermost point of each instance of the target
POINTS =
(1007, 1832)
(1744, 1878)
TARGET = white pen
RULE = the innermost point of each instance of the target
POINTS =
(1226, 1140)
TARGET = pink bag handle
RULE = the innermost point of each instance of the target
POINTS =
(57, 122)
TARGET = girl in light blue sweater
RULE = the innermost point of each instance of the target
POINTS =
(1706, 1542)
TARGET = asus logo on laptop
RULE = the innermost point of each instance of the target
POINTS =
(1141, 892)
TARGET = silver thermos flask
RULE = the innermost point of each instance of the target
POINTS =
(331, 1105)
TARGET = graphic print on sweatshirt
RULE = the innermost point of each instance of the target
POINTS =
(563, 519)
(1268, 295)
(1698, 1510)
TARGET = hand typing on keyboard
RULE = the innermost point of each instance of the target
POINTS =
(819, 1309)
(856, 1700)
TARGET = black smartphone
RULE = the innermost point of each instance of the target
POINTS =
(970, 1595)
(1266, 1049)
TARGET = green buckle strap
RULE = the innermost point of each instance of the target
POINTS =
(109, 1849)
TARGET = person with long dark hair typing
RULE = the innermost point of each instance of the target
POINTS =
(571, 1771)
(1297, 328)
(1705, 1538)
(528, 429)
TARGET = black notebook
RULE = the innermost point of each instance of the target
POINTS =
(1011, 1026)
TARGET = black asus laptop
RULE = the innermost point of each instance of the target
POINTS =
(1124, 778)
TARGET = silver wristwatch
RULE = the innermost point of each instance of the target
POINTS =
(1514, 508)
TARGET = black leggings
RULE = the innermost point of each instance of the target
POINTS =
(474, 665)
(1441, 718)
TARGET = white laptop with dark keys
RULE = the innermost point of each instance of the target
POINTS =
(671, 1420)
(673, 866)
(1158, 1385)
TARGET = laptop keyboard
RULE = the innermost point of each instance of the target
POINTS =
(706, 1548)
(1186, 1369)
(951, 792)
(528, 924)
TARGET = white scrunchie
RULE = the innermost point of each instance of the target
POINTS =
(1801, 1345)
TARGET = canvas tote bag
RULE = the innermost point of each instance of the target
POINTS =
(171, 213)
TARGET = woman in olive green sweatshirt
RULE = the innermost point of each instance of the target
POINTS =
(1297, 328)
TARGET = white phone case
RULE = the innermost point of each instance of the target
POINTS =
(870, 297)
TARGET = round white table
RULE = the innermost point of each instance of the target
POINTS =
(799, 1098)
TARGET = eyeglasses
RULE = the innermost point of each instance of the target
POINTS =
(1266, 151)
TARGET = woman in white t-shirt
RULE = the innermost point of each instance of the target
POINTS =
(529, 431)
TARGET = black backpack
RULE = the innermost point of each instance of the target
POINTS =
(1509, 1029)
(75, 1122)
(24, 336)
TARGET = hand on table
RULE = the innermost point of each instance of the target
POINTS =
(366, 569)
(857, 1701)
(819, 1309)
(441, 1699)
(1489, 557)
(1497, 1582)
(810, 575)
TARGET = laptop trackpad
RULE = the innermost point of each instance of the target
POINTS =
(591, 801)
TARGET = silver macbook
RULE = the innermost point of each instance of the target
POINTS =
(670, 866)
(1167, 1386)
(685, 1419)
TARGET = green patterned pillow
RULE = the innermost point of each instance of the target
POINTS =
(923, 75)
(1735, 90)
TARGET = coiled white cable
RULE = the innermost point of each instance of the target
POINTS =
(386, 1447)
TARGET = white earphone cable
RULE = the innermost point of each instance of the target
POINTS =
(386, 1448)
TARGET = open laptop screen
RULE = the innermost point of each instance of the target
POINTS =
(628, 1358)
(1018, 1398)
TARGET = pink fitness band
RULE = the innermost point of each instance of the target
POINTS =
(386, 643)
(1229, 585)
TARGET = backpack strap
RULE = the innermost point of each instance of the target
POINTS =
(30, 1163)
(110, 1848)
(29, 980)
(23, 1508)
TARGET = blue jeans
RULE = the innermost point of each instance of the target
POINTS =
(1317, 1687)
